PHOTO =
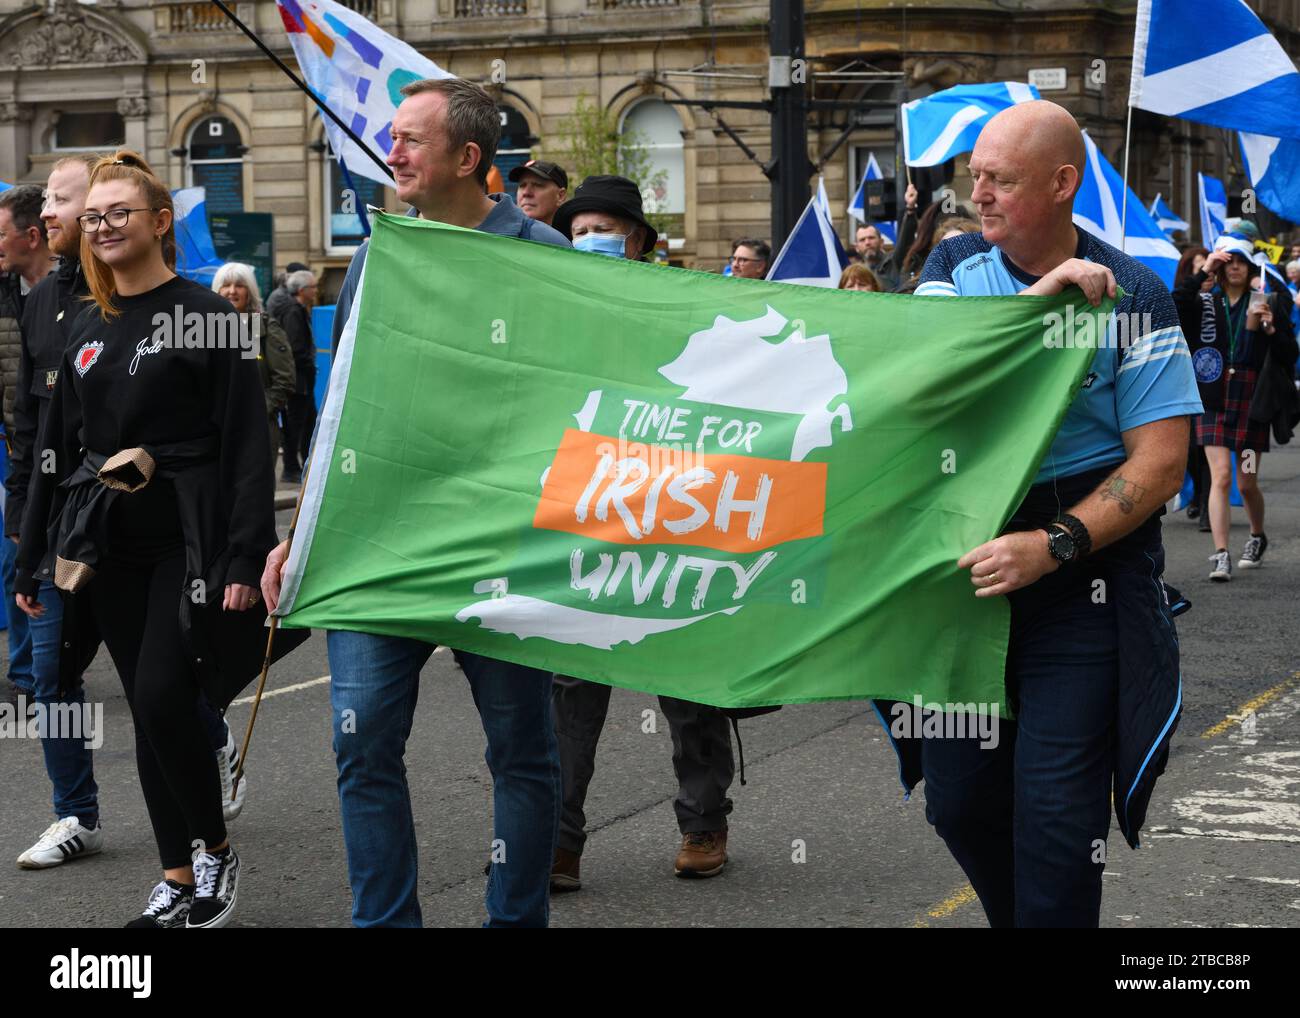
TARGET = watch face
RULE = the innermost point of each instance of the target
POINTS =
(1061, 545)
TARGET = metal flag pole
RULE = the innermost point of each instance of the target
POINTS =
(1123, 216)
(306, 91)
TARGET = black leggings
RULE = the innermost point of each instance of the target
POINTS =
(136, 607)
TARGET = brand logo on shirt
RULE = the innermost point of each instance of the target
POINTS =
(51, 377)
(1207, 362)
(86, 356)
(145, 346)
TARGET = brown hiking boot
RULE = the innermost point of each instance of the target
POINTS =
(703, 854)
(564, 871)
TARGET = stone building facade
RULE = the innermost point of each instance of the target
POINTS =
(179, 82)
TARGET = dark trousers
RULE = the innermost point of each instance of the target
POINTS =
(299, 423)
(135, 607)
(702, 757)
(1199, 467)
(1027, 820)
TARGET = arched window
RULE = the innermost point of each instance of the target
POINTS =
(216, 162)
(656, 130)
(515, 145)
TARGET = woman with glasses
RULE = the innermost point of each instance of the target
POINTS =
(156, 517)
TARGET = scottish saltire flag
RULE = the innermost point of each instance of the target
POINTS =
(1214, 208)
(196, 256)
(1099, 209)
(858, 206)
(813, 254)
(947, 123)
(1214, 62)
(1166, 218)
(357, 70)
(4, 186)
(725, 490)
(1273, 166)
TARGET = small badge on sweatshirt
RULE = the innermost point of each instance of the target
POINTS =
(87, 355)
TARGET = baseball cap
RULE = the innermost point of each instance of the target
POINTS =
(548, 171)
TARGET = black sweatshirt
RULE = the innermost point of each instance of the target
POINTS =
(52, 306)
(120, 387)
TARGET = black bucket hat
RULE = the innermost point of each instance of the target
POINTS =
(617, 196)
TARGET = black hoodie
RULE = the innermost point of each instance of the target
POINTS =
(52, 306)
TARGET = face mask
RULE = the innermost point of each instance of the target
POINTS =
(612, 244)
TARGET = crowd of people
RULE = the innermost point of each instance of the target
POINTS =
(162, 481)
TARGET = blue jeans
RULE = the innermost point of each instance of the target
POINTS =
(373, 689)
(20, 636)
(1027, 820)
(67, 761)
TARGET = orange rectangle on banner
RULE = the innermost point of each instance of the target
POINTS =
(624, 492)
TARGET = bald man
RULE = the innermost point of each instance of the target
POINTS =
(1092, 661)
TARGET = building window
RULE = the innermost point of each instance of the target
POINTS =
(97, 130)
(657, 130)
(515, 145)
(216, 163)
(345, 204)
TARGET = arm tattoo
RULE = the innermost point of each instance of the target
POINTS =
(1126, 493)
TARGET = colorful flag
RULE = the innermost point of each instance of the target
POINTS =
(858, 206)
(727, 490)
(1166, 218)
(196, 255)
(812, 255)
(946, 124)
(1214, 208)
(1216, 63)
(1273, 165)
(1098, 208)
(358, 71)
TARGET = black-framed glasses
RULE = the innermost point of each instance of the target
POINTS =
(115, 218)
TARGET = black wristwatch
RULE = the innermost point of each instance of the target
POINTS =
(1082, 539)
(1060, 544)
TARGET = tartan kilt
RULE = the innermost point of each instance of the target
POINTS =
(1232, 427)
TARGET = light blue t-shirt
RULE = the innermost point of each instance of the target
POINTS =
(1147, 378)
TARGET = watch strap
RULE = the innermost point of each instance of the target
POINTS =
(1082, 539)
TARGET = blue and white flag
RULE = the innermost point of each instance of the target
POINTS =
(813, 254)
(858, 206)
(4, 186)
(196, 256)
(1099, 209)
(1213, 62)
(357, 70)
(1273, 165)
(945, 124)
(1166, 218)
(1214, 208)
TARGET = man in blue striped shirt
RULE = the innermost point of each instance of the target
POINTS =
(1092, 671)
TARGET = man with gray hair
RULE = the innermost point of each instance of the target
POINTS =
(444, 135)
(300, 412)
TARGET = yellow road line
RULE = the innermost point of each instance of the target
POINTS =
(949, 905)
(1250, 706)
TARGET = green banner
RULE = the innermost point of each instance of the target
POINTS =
(725, 490)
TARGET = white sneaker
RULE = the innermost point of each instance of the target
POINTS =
(1222, 571)
(227, 764)
(63, 840)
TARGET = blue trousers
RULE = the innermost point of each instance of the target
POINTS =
(373, 690)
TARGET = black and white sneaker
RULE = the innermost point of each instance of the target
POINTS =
(1253, 553)
(168, 908)
(216, 881)
(1222, 571)
(227, 766)
(63, 840)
